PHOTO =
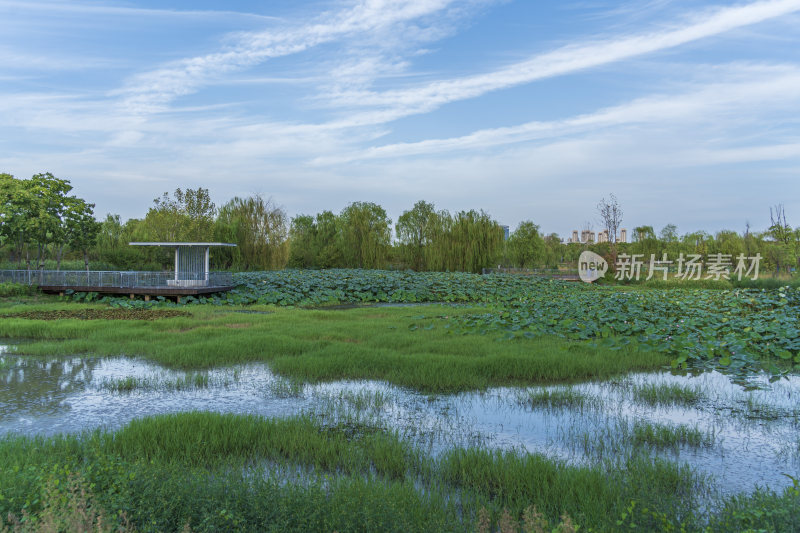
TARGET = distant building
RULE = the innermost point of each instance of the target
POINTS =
(588, 237)
(505, 232)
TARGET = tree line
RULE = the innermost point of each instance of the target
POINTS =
(40, 221)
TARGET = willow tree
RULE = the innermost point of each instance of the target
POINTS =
(414, 234)
(260, 230)
(468, 241)
(477, 241)
(366, 235)
(439, 255)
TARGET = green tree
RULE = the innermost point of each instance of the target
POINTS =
(17, 214)
(49, 204)
(728, 242)
(301, 242)
(81, 228)
(328, 241)
(477, 241)
(414, 234)
(259, 229)
(366, 234)
(526, 247)
(646, 243)
(186, 216)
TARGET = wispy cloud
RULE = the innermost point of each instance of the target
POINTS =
(393, 104)
(775, 87)
(151, 90)
(79, 8)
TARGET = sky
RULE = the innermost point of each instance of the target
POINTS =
(687, 111)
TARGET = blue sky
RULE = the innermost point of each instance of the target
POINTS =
(688, 111)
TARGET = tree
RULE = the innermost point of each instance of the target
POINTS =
(81, 228)
(611, 217)
(17, 214)
(553, 250)
(477, 241)
(669, 233)
(728, 242)
(301, 242)
(316, 242)
(49, 203)
(187, 216)
(413, 233)
(328, 241)
(526, 246)
(366, 232)
(259, 229)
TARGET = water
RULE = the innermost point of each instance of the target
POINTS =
(755, 435)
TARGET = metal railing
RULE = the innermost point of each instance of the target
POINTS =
(540, 272)
(116, 279)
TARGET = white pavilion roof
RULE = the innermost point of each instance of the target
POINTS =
(173, 244)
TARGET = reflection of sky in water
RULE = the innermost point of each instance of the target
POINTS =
(49, 396)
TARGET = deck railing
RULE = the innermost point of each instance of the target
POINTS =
(539, 272)
(111, 278)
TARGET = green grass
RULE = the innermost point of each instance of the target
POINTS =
(407, 347)
(667, 395)
(192, 380)
(223, 472)
(559, 398)
(667, 436)
(285, 388)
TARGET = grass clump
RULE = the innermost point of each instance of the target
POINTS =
(664, 436)
(192, 380)
(285, 388)
(667, 394)
(555, 398)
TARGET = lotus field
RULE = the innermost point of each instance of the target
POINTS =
(736, 330)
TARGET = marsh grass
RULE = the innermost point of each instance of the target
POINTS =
(197, 468)
(361, 400)
(556, 398)
(667, 394)
(285, 388)
(757, 409)
(318, 346)
(667, 436)
(192, 380)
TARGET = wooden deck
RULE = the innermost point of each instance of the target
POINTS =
(136, 291)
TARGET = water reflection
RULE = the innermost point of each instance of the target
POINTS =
(41, 387)
(755, 435)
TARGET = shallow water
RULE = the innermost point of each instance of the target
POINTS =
(755, 434)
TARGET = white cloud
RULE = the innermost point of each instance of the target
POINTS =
(394, 104)
(151, 90)
(84, 9)
(772, 88)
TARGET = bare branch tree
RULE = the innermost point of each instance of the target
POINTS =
(780, 230)
(611, 216)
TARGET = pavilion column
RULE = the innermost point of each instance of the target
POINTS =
(177, 262)
(205, 272)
